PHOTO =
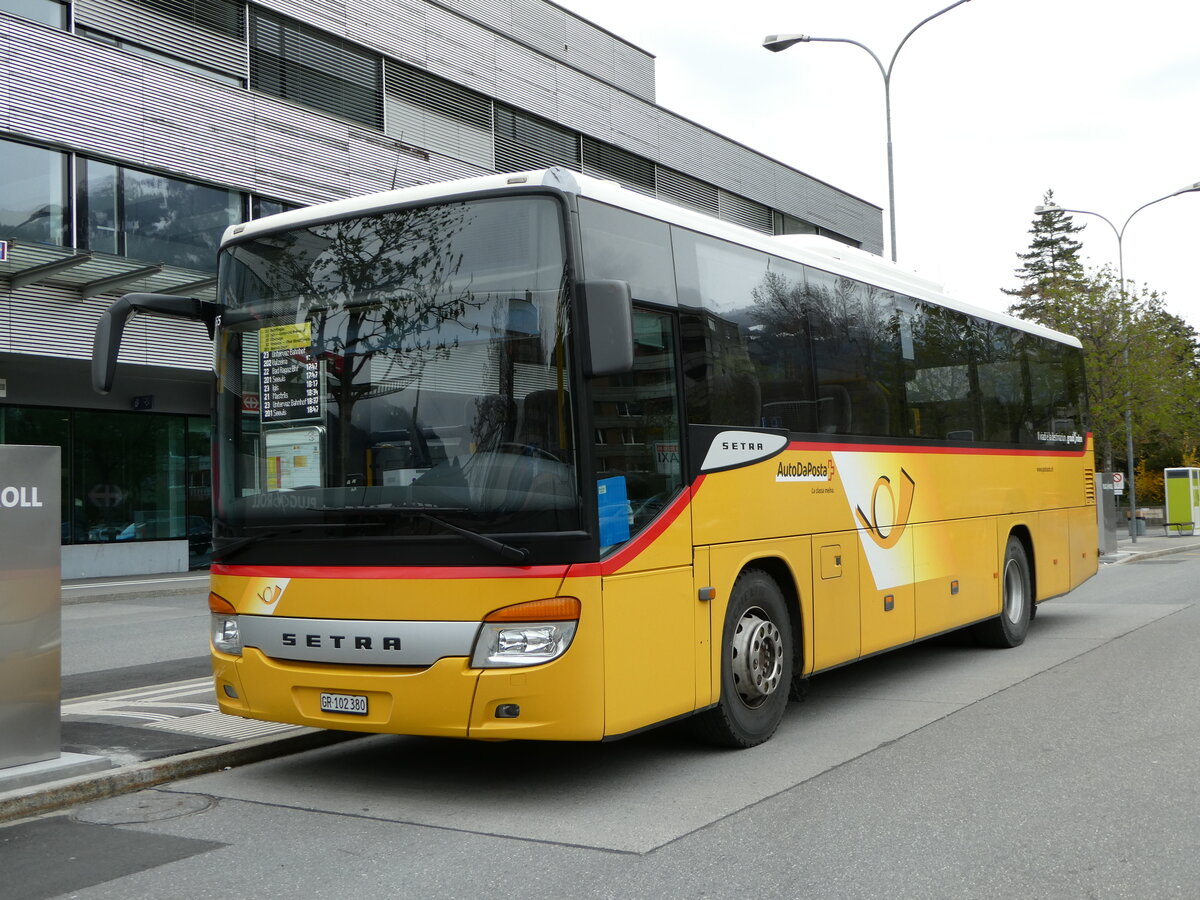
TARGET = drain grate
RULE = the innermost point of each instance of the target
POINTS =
(222, 727)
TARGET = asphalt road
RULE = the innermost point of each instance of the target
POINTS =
(1067, 767)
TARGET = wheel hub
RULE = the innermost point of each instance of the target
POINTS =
(1014, 592)
(757, 657)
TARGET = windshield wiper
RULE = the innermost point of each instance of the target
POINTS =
(516, 554)
(243, 543)
(508, 551)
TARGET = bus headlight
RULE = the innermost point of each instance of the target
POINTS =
(226, 636)
(225, 631)
(526, 634)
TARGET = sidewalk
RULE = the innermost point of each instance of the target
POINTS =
(1148, 546)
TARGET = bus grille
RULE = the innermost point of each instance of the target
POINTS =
(1089, 487)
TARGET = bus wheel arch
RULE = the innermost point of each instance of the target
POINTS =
(758, 659)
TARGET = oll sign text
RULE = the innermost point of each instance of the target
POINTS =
(19, 496)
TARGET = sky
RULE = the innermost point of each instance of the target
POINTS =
(993, 104)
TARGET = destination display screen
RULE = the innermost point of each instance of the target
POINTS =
(289, 375)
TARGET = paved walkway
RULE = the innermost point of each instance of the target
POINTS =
(1149, 545)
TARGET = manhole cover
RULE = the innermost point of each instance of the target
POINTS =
(144, 806)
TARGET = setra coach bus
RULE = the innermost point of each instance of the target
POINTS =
(536, 456)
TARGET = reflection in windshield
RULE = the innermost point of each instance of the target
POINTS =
(406, 362)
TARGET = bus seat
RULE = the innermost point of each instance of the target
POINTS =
(794, 415)
(833, 409)
(540, 420)
(870, 410)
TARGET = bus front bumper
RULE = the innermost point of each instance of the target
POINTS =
(553, 701)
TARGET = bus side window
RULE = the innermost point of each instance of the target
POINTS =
(637, 423)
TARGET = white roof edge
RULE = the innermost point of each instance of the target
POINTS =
(556, 176)
(814, 250)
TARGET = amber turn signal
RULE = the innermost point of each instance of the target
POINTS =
(220, 605)
(552, 609)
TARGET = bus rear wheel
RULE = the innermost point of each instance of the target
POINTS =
(757, 657)
(1016, 608)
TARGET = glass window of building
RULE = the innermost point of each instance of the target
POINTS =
(225, 17)
(99, 188)
(33, 193)
(46, 428)
(48, 12)
(152, 217)
(199, 486)
(318, 70)
(264, 206)
(158, 56)
(125, 476)
(438, 115)
(129, 473)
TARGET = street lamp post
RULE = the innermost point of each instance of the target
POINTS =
(777, 42)
(1120, 233)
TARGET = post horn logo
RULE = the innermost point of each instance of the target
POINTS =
(270, 595)
(887, 533)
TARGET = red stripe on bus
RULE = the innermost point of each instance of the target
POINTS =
(856, 447)
(381, 572)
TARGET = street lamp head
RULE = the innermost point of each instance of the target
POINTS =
(1041, 210)
(777, 42)
(1188, 189)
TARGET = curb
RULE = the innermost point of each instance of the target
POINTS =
(40, 799)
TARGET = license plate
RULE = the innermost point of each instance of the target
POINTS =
(349, 704)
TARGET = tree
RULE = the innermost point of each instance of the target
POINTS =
(1051, 266)
(1137, 356)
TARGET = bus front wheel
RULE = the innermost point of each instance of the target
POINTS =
(756, 664)
(1016, 608)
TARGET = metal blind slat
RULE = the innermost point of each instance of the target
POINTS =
(745, 212)
(437, 94)
(156, 29)
(687, 191)
(527, 142)
(222, 16)
(606, 161)
(299, 64)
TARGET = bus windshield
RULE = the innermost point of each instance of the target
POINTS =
(381, 371)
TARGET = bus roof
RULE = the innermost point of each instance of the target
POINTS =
(813, 250)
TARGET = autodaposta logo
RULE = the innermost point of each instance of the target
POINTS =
(890, 509)
(804, 471)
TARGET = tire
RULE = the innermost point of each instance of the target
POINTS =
(757, 659)
(1016, 608)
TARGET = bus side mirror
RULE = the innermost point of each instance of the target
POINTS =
(112, 324)
(608, 312)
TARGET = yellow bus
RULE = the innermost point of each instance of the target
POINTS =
(536, 456)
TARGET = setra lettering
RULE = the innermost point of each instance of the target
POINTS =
(317, 641)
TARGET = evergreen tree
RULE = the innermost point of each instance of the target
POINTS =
(1051, 267)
